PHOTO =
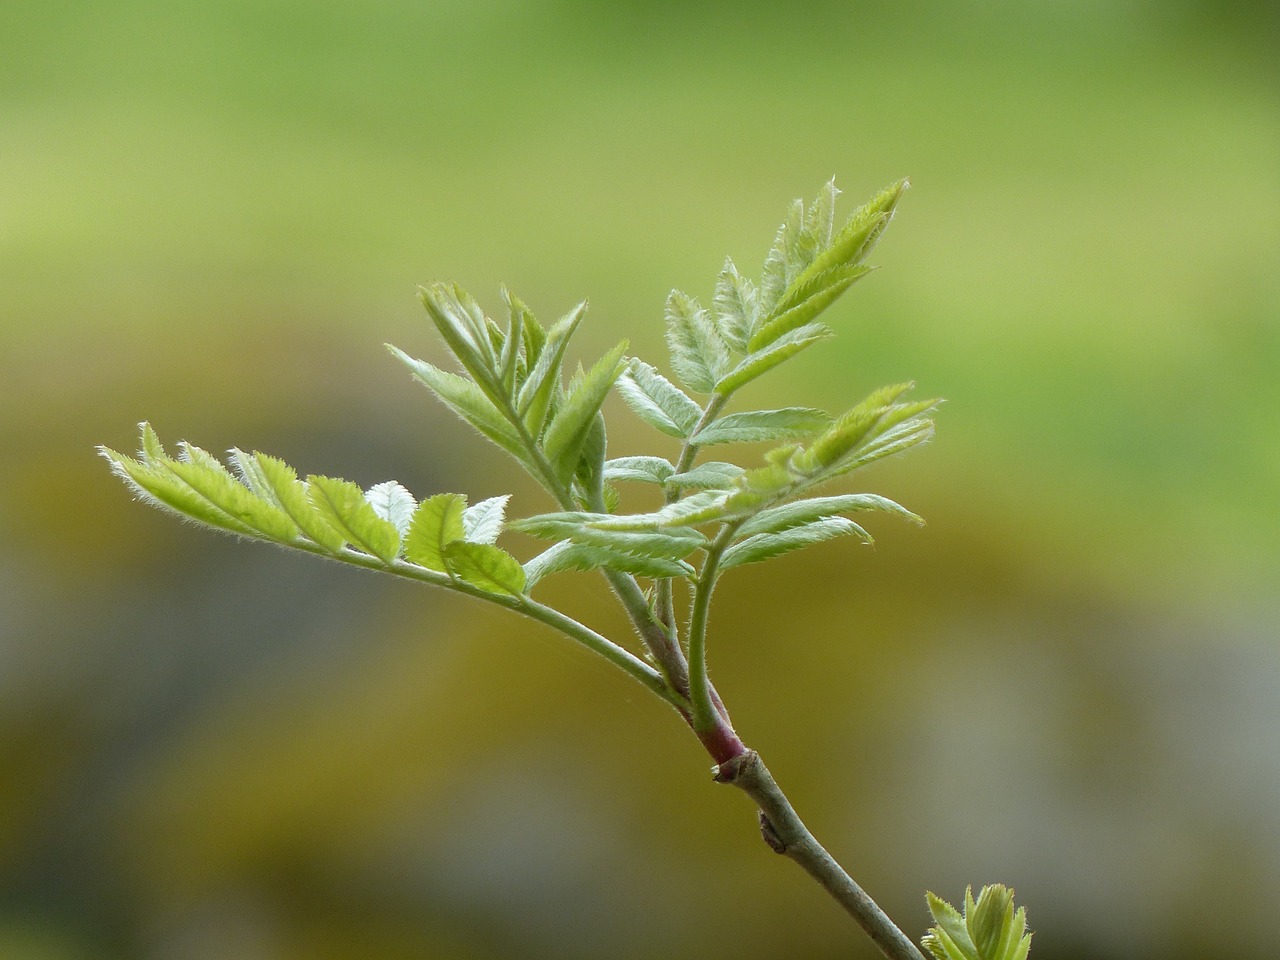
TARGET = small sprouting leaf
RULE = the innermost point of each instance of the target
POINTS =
(990, 929)
(151, 447)
(788, 423)
(657, 401)
(801, 512)
(392, 503)
(482, 522)
(897, 440)
(291, 496)
(589, 472)
(344, 506)
(466, 400)
(702, 507)
(849, 429)
(781, 264)
(699, 355)
(531, 331)
(762, 361)
(154, 483)
(791, 315)
(466, 330)
(209, 479)
(533, 402)
(858, 237)
(673, 543)
(490, 568)
(567, 555)
(641, 469)
(571, 423)
(735, 303)
(712, 475)
(765, 546)
(436, 524)
(819, 220)
(949, 939)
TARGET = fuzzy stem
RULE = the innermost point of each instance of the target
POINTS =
(785, 833)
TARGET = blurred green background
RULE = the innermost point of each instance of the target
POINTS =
(212, 215)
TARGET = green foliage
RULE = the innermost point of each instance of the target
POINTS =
(990, 928)
(511, 388)
(716, 514)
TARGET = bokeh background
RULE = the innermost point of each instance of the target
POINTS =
(212, 215)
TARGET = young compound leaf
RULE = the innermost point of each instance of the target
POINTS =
(567, 555)
(800, 307)
(699, 355)
(765, 546)
(466, 400)
(712, 475)
(155, 484)
(657, 401)
(209, 479)
(858, 237)
(672, 543)
(589, 473)
(513, 342)
(703, 507)
(436, 524)
(344, 506)
(949, 938)
(392, 503)
(533, 402)
(735, 304)
(482, 522)
(990, 929)
(572, 422)
(897, 440)
(819, 220)
(849, 429)
(780, 265)
(788, 423)
(641, 469)
(800, 512)
(152, 448)
(466, 330)
(762, 361)
(486, 566)
(290, 495)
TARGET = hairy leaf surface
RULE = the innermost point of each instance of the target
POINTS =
(800, 512)
(467, 400)
(735, 303)
(154, 483)
(482, 522)
(762, 361)
(699, 354)
(534, 400)
(766, 546)
(641, 469)
(392, 503)
(488, 567)
(788, 423)
(674, 543)
(712, 475)
(657, 401)
(567, 555)
(343, 504)
(436, 524)
(291, 496)
(568, 429)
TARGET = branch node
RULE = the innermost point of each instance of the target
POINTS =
(733, 769)
(770, 835)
